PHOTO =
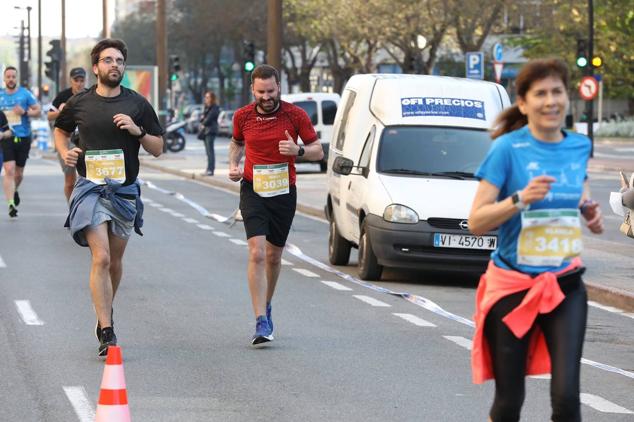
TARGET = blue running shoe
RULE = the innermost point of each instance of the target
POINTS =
(263, 333)
(268, 316)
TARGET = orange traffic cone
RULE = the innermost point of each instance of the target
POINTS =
(113, 398)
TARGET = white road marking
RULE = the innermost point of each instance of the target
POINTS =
(27, 313)
(460, 341)
(190, 220)
(79, 400)
(205, 227)
(605, 308)
(2, 263)
(602, 405)
(221, 234)
(305, 272)
(238, 242)
(177, 214)
(372, 301)
(336, 286)
(285, 262)
(415, 320)
(608, 368)
(147, 201)
(156, 205)
(629, 315)
(541, 377)
(167, 210)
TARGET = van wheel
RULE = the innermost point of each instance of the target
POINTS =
(338, 247)
(369, 268)
(323, 166)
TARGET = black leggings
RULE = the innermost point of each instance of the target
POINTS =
(564, 329)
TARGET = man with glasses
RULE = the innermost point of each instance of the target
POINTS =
(105, 205)
(77, 85)
(19, 105)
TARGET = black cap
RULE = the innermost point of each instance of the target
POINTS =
(77, 72)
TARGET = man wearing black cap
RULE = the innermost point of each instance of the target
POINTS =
(77, 84)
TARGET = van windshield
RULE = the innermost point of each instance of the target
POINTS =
(432, 151)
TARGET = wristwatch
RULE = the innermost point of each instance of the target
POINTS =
(300, 152)
(517, 201)
(143, 133)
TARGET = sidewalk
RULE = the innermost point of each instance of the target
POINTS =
(311, 197)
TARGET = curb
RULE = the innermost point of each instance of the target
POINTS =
(596, 292)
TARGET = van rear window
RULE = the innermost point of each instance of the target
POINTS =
(424, 149)
(310, 107)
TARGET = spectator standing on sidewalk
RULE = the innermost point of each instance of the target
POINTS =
(209, 129)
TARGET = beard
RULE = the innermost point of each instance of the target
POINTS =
(11, 85)
(109, 79)
(270, 105)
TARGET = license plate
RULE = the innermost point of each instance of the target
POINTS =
(463, 241)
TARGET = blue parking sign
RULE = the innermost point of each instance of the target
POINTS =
(474, 64)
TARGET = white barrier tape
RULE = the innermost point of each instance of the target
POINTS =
(417, 300)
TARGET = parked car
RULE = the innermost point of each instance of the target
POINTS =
(225, 123)
(321, 108)
(401, 172)
(193, 120)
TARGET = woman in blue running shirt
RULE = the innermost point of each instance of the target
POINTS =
(531, 304)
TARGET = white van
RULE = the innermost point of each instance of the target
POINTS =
(321, 108)
(400, 173)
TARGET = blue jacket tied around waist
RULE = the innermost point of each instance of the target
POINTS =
(84, 199)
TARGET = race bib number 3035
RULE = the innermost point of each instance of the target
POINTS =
(548, 237)
(271, 179)
(105, 164)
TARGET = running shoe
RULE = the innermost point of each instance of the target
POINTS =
(13, 211)
(268, 316)
(16, 198)
(108, 338)
(263, 333)
(98, 326)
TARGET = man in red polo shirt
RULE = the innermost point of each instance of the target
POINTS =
(266, 132)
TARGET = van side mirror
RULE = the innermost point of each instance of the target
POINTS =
(342, 166)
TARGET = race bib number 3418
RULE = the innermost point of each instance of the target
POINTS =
(105, 164)
(548, 237)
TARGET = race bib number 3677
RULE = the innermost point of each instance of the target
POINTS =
(105, 164)
(548, 237)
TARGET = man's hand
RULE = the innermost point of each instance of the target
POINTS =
(235, 174)
(72, 155)
(19, 110)
(288, 146)
(124, 122)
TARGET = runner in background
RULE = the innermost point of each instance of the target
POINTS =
(19, 105)
(77, 85)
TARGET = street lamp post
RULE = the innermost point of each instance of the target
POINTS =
(25, 59)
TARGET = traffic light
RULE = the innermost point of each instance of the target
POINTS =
(582, 54)
(45, 89)
(597, 62)
(175, 68)
(55, 55)
(248, 56)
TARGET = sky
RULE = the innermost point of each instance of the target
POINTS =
(83, 17)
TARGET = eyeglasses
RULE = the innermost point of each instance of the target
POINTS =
(110, 60)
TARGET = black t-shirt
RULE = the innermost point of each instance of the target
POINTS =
(62, 97)
(93, 115)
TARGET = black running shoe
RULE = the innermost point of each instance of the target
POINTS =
(13, 211)
(98, 326)
(16, 198)
(108, 338)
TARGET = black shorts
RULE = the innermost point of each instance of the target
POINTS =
(16, 149)
(271, 217)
